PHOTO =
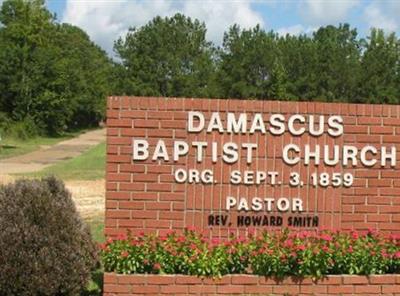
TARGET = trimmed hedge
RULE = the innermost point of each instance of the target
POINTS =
(275, 254)
(45, 247)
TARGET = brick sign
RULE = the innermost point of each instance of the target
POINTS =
(235, 165)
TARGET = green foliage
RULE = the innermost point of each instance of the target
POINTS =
(5, 123)
(53, 75)
(170, 57)
(49, 72)
(166, 57)
(264, 65)
(97, 228)
(23, 130)
(379, 81)
(278, 81)
(337, 63)
(45, 247)
(277, 254)
(247, 61)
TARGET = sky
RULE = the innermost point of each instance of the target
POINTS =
(106, 20)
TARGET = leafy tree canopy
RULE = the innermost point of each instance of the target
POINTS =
(167, 57)
(54, 76)
(49, 72)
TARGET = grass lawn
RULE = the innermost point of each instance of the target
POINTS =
(87, 166)
(96, 284)
(10, 147)
(97, 228)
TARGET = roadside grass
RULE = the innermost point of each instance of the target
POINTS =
(95, 286)
(96, 225)
(10, 146)
(90, 165)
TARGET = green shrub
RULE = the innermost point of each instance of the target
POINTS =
(45, 247)
(24, 129)
(276, 254)
(5, 122)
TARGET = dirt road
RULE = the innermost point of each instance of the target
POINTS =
(88, 195)
(39, 159)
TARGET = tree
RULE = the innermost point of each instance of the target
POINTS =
(299, 57)
(82, 70)
(338, 52)
(166, 57)
(51, 73)
(246, 63)
(324, 66)
(278, 83)
(26, 26)
(47, 66)
(379, 82)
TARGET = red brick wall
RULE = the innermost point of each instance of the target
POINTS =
(143, 196)
(247, 284)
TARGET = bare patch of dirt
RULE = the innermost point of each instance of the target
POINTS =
(89, 197)
(5, 179)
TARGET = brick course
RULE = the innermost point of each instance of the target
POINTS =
(124, 285)
(143, 196)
